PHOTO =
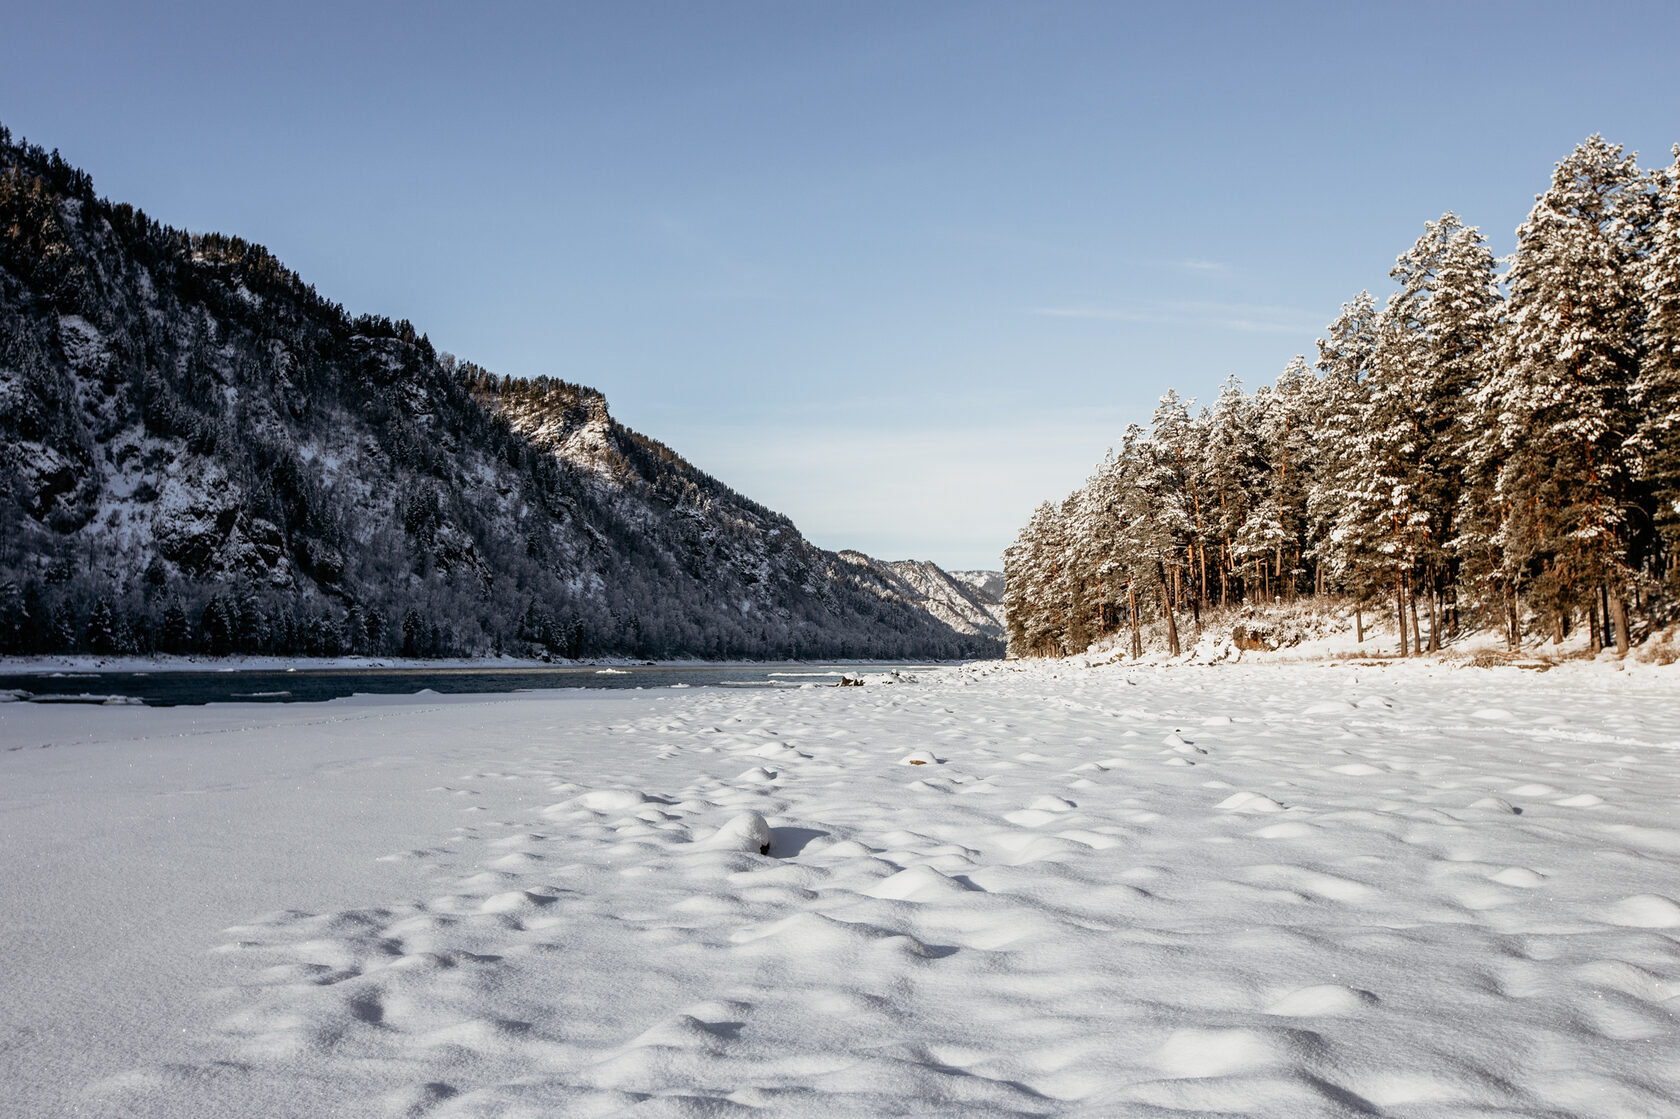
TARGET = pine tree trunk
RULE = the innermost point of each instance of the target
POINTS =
(1201, 551)
(1595, 636)
(1166, 605)
(1557, 627)
(1417, 631)
(1434, 618)
(1618, 612)
(1400, 614)
(1131, 606)
(1359, 624)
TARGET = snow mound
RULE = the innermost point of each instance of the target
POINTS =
(919, 883)
(1249, 802)
(611, 800)
(1323, 1000)
(746, 832)
(1199, 1053)
(1645, 911)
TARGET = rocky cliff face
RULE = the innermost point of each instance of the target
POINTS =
(199, 453)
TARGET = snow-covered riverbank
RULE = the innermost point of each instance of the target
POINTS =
(1283, 890)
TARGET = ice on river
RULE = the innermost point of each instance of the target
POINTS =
(1282, 891)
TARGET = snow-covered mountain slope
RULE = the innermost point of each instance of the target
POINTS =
(200, 453)
(934, 589)
(987, 588)
(986, 585)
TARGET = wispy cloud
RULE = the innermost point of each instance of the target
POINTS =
(953, 493)
(1205, 267)
(1252, 317)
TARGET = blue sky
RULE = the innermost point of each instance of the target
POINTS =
(900, 270)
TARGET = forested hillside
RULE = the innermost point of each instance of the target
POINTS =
(1485, 449)
(199, 453)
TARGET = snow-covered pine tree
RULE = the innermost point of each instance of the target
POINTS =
(1569, 358)
(1286, 431)
(1120, 486)
(1156, 518)
(1233, 464)
(1176, 477)
(1382, 513)
(1435, 355)
(1035, 587)
(1097, 531)
(1344, 358)
(1657, 389)
(1463, 320)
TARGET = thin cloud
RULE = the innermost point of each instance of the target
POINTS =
(1206, 267)
(956, 495)
(1256, 318)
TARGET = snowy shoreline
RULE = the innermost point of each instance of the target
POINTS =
(1276, 890)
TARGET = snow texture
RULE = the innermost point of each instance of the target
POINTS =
(1239, 890)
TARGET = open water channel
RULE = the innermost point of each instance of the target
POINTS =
(298, 685)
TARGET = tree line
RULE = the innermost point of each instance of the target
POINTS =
(1486, 448)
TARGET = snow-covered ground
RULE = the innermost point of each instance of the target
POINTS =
(1248, 889)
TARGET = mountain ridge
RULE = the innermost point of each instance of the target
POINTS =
(200, 453)
(943, 594)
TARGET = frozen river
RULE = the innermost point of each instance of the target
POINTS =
(999, 890)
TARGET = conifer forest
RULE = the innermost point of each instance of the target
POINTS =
(1494, 446)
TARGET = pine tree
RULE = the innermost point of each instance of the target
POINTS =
(1036, 594)
(1657, 388)
(14, 618)
(1428, 353)
(1232, 465)
(1286, 432)
(1179, 441)
(102, 627)
(1568, 362)
(1382, 515)
(1344, 359)
(1154, 511)
(174, 630)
